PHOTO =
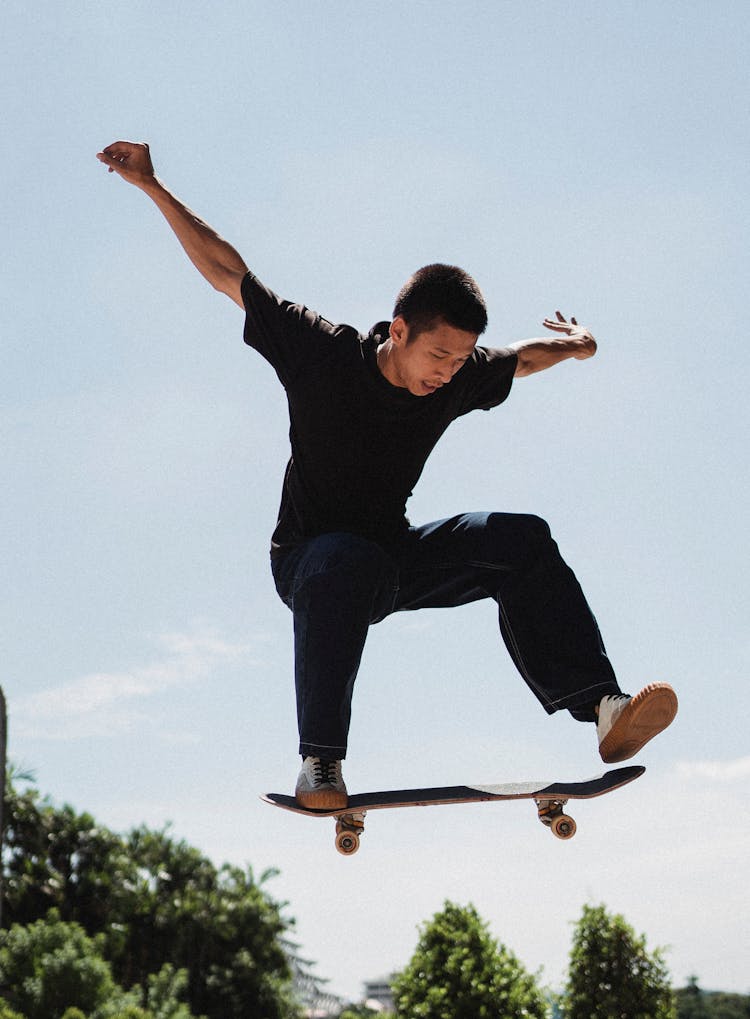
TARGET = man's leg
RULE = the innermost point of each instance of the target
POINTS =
(545, 621)
(336, 585)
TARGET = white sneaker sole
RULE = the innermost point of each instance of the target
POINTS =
(644, 716)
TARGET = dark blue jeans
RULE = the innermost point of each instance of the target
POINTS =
(338, 585)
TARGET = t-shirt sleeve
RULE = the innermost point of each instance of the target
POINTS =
(489, 377)
(289, 336)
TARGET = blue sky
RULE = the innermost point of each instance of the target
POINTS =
(588, 157)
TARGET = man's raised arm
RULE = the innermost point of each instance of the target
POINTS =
(211, 255)
(536, 355)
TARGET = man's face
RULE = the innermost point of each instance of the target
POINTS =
(428, 361)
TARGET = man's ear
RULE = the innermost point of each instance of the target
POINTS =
(399, 331)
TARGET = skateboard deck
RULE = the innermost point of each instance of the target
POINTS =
(549, 797)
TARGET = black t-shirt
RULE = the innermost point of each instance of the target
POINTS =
(358, 443)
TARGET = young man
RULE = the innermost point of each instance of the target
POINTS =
(365, 412)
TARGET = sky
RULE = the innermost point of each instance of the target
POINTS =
(586, 157)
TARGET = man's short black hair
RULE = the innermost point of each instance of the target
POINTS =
(441, 292)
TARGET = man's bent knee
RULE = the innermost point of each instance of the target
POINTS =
(518, 537)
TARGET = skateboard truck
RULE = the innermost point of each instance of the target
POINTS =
(349, 828)
(551, 815)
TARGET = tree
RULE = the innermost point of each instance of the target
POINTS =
(691, 1001)
(612, 975)
(52, 969)
(458, 971)
(50, 966)
(6, 1012)
(694, 1003)
(722, 1005)
(358, 1012)
(165, 993)
(55, 858)
(150, 900)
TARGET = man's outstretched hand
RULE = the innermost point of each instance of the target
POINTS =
(132, 160)
(215, 259)
(537, 355)
(585, 341)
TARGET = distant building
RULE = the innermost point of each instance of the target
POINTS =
(379, 995)
(309, 990)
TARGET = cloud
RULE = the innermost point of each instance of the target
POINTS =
(719, 771)
(90, 704)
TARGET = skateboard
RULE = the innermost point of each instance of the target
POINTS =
(549, 797)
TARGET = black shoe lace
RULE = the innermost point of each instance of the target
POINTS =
(325, 772)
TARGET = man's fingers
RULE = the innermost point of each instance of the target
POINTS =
(560, 322)
(121, 152)
(131, 160)
(551, 323)
(116, 149)
(112, 159)
(117, 157)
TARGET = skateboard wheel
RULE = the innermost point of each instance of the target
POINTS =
(563, 826)
(347, 842)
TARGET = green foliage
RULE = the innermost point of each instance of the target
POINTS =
(151, 901)
(219, 925)
(55, 858)
(49, 966)
(165, 992)
(6, 1012)
(693, 1003)
(360, 1012)
(728, 1006)
(53, 970)
(612, 974)
(458, 971)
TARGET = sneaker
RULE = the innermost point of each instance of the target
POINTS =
(320, 785)
(625, 724)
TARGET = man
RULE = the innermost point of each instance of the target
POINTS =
(365, 413)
